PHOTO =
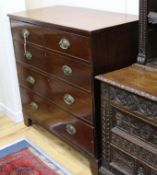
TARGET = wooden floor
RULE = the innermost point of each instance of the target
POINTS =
(61, 152)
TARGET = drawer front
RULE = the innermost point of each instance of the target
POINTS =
(134, 126)
(121, 164)
(142, 107)
(71, 99)
(57, 121)
(36, 55)
(135, 147)
(57, 65)
(34, 34)
(68, 43)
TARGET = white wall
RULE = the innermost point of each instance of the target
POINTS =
(9, 92)
(132, 6)
(39, 3)
(124, 6)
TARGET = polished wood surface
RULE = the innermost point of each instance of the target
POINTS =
(36, 32)
(79, 45)
(74, 17)
(52, 63)
(44, 140)
(114, 54)
(55, 90)
(51, 39)
(56, 120)
(66, 62)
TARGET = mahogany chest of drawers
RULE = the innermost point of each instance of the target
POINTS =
(129, 121)
(58, 52)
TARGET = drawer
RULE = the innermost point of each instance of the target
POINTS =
(71, 99)
(135, 147)
(68, 43)
(121, 164)
(57, 121)
(137, 105)
(57, 65)
(34, 33)
(134, 126)
(35, 57)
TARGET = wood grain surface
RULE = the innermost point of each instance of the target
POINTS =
(77, 18)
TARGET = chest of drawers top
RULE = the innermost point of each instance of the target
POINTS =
(74, 18)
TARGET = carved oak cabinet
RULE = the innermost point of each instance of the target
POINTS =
(129, 121)
(58, 52)
(129, 106)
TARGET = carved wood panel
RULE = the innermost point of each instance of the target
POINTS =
(147, 31)
(106, 115)
(140, 171)
(153, 172)
(141, 58)
(135, 127)
(134, 103)
(125, 136)
(121, 161)
(135, 150)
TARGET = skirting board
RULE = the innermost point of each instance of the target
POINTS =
(15, 116)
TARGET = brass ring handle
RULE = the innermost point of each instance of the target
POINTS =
(28, 55)
(25, 33)
(64, 44)
(30, 80)
(34, 106)
(68, 99)
(67, 70)
(71, 129)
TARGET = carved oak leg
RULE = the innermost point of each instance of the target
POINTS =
(95, 165)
